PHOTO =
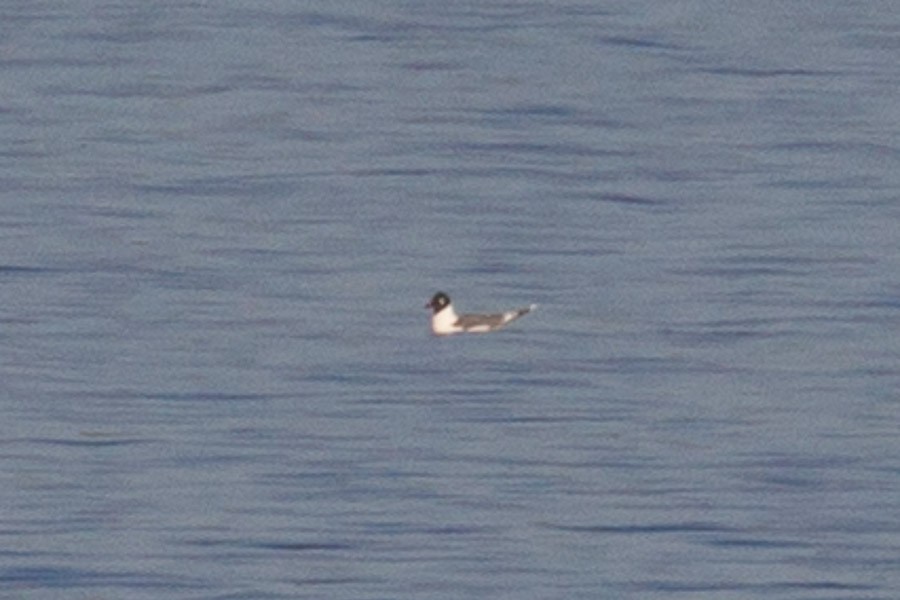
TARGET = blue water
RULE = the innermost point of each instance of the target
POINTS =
(219, 223)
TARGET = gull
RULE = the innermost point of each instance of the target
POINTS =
(445, 321)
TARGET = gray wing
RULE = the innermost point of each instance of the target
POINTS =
(470, 321)
(491, 322)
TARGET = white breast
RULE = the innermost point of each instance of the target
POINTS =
(444, 322)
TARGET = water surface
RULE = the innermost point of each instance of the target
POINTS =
(219, 224)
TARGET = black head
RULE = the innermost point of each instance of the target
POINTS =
(439, 302)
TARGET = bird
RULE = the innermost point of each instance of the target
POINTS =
(445, 321)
